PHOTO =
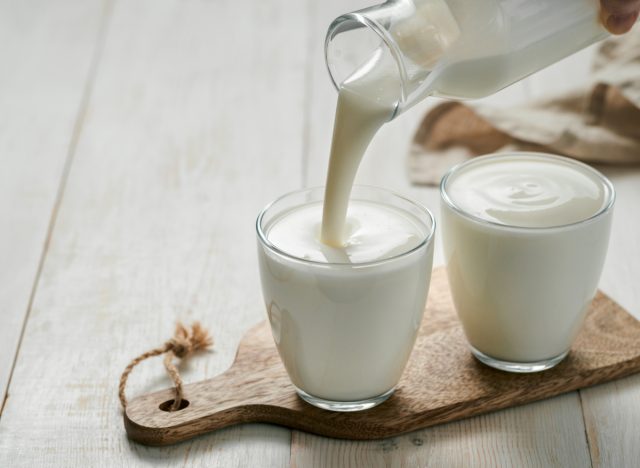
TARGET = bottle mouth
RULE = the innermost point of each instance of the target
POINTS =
(352, 41)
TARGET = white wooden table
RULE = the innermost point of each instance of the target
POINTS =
(138, 140)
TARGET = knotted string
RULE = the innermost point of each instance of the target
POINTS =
(184, 343)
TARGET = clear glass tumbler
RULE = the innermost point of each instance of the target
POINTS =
(521, 293)
(345, 331)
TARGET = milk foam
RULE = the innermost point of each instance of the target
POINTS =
(527, 191)
(372, 232)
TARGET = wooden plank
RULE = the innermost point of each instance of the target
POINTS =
(547, 433)
(194, 123)
(611, 414)
(539, 434)
(46, 50)
(612, 411)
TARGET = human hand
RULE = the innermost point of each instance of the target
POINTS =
(619, 16)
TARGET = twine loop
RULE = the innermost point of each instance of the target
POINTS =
(184, 343)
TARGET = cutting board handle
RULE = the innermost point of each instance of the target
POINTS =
(236, 396)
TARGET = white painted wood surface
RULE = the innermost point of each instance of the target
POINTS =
(541, 434)
(193, 124)
(46, 52)
(197, 114)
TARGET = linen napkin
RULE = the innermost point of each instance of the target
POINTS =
(596, 123)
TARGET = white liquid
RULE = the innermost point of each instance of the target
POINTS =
(365, 102)
(521, 292)
(345, 330)
(502, 42)
(472, 49)
(527, 192)
(373, 232)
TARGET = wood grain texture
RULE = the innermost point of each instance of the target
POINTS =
(612, 411)
(611, 414)
(494, 439)
(442, 382)
(46, 51)
(178, 152)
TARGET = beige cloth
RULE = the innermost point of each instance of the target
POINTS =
(598, 123)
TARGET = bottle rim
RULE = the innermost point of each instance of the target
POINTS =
(359, 19)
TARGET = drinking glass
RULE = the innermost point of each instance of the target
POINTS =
(522, 293)
(345, 330)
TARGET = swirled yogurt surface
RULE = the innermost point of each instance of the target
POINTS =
(527, 191)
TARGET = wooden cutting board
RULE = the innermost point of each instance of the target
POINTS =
(442, 382)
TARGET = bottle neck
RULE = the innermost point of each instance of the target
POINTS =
(405, 39)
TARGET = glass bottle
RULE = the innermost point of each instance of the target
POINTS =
(458, 49)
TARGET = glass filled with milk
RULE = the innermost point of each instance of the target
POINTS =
(345, 318)
(525, 237)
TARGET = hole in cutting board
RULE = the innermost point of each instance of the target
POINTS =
(166, 406)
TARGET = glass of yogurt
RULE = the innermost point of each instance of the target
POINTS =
(345, 319)
(525, 238)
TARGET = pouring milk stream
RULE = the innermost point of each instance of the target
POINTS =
(345, 282)
(452, 48)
